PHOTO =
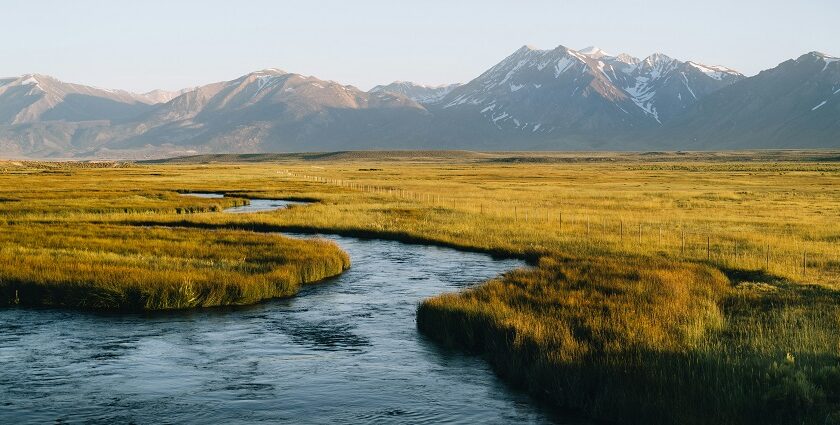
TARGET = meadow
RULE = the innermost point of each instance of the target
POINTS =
(664, 288)
(49, 256)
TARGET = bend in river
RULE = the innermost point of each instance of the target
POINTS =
(343, 351)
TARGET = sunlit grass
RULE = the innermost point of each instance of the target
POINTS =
(682, 291)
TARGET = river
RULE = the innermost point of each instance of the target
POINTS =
(342, 351)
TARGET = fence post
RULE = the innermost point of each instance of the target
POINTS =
(621, 230)
(708, 248)
(767, 258)
(804, 262)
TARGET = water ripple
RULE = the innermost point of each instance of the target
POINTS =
(343, 352)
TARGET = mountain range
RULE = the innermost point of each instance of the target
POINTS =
(558, 99)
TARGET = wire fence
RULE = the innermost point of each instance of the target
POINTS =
(675, 239)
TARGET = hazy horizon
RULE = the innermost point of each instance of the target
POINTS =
(173, 46)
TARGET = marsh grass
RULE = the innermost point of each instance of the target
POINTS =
(646, 329)
(134, 268)
(652, 341)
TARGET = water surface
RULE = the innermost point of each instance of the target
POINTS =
(254, 205)
(342, 351)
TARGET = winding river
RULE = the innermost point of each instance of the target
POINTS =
(342, 351)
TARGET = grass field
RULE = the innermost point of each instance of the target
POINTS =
(670, 288)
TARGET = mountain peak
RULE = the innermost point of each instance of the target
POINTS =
(594, 52)
(28, 79)
(630, 60)
(34, 80)
(820, 55)
(815, 55)
(658, 58)
(419, 93)
(526, 48)
(715, 71)
(270, 71)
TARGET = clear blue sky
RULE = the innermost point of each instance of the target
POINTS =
(142, 45)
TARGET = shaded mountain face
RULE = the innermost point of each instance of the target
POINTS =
(796, 104)
(563, 91)
(417, 92)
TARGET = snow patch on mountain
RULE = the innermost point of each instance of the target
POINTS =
(713, 71)
(642, 95)
(29, 81)
(657, 85)
(828, 61)
(562, 65)
(594, 52)
(627, 59)
(687, 85)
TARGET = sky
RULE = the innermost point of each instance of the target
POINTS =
(153, 44)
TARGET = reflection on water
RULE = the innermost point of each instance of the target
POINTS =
(343, 351)
(260, 205)
(255, 205)
(204, 195)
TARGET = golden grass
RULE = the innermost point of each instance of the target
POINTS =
(131, 268)
(53, 253)
(707, 314)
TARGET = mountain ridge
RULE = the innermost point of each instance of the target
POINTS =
(559, 98)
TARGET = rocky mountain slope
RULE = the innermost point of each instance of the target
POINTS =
(794, 105)
(564, 91)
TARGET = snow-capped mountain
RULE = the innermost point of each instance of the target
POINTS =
(416, 92)
(569, 91)
(662, 86)
(534, 99)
